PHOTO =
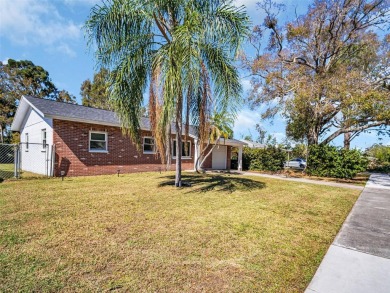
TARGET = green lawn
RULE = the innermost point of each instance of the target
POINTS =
(138, 233)
(7, 172)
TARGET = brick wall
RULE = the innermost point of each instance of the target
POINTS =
(71, 140)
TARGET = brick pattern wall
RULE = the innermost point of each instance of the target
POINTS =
(71, 140)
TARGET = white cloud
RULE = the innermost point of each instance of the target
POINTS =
(280, 136)
(5, 61)
(64, 49)
(246, 84)
(32, 22)
(246, 122)
(247, 3)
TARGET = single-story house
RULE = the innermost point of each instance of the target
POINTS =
(68, 139)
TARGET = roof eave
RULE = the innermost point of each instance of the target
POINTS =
(21, 111)
(234, 143)
(103, 123)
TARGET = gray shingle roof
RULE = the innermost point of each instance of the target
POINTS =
(68, 111)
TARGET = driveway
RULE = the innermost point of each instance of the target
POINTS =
(359, 259)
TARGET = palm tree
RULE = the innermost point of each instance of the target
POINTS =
(221, 125)
(183, 50)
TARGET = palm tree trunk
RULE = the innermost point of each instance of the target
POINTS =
(179, 124)
(168, 149)
(208, 154)
(197, 164)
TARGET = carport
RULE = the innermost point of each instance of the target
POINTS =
(220, 158)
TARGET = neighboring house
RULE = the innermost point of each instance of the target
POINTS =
(88, 141)
(253, 145)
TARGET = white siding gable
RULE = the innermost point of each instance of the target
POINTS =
(36, 158)
(33, 125)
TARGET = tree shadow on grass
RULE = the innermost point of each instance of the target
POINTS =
(205, 183)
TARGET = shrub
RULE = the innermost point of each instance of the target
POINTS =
(330, 161)
(268, 159)
(379, 158)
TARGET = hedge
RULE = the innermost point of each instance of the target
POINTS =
(268, 159)
(330, 161)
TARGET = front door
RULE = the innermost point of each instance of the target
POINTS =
(219, 157)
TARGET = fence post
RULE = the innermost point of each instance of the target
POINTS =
(53, 158)
(16, 161)
(47, 160)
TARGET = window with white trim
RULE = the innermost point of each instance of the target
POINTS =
(26, 140)
(185, 149)
(43, 137)
(98, 141)
(149, 145)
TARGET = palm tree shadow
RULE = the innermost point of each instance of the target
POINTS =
(205, 183)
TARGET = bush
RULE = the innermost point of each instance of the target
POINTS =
(379, 158)
(268, 159)
(330, 161)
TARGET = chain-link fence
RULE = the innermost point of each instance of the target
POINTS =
(9, 158)
(36, 158)
(26, 159)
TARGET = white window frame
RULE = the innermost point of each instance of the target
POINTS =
(26, 137)
(183, 157)
(44, 138)
(106, 140)
(143, 144)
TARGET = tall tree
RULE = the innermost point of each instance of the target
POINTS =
(325, 71)
(19, 78)
(95, 93)
(182, 50)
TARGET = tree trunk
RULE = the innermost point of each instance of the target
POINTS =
(347, 141)
(1, 134)
(197, 165)
(207, 155)
(179, 122)
(312, 138)
(168, 151)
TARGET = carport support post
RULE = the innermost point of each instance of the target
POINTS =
(240, 158)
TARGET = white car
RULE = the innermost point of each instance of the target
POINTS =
(296, 163)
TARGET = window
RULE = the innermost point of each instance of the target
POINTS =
(43, 138)
(149, 145)
(185, 149)
(97, 141)
(26, 140)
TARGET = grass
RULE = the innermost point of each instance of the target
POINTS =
(139, 233)
(7, 172)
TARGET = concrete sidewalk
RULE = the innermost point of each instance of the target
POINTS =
(359, 258)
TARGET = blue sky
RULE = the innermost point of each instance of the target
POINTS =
(49, 33)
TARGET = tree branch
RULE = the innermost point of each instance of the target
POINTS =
(352, 129)
(161, 28)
